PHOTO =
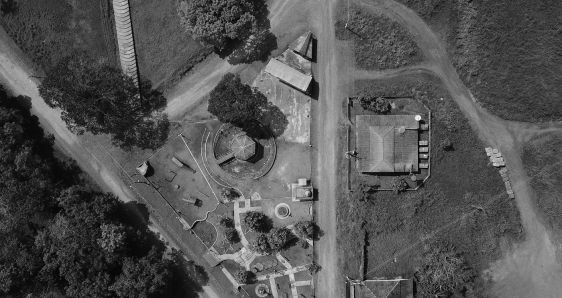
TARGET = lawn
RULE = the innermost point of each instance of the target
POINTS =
(395, 227)
(506, 51)
(165, 52)
(379, 42)
(49, 30)
(541, 159)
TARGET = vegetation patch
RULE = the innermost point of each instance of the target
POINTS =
(49, 30)
(541, 159)
(463, 204)
(164, 51)
(506, 51)
(62, 237)
(379, 42)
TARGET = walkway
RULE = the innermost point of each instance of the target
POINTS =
(124, 30)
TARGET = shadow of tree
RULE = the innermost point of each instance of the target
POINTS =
(8, 6)
(189, 278)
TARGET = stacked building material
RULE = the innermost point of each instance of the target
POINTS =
(497, 161)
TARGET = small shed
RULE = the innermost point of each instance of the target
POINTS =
(289, 75)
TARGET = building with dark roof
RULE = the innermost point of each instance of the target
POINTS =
(387, 143)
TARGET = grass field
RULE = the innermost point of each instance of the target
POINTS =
(506, 51)
(396, 227)
(165, 51)
(379, 42)
(541, 158)
(48, 30)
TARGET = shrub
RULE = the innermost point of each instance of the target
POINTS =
(313, 268)
(279, 238)
(230, 194)
(306, 229)
(226, 222)
(378, 105)
(244, 277)
(443, 272)
(261, 245)
(257, 221)
(399, 184)
(231, 235)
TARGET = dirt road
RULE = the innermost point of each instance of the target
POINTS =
(15, 75)
(531, 268)
(330, 283)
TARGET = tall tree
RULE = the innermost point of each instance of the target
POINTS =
(221, 22)
(234, 102)
(99, 99)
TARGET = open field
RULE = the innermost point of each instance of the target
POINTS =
(541, 159)
(48, 30)
(379, 42)
(165, 52)
(463, 203)
(505, 52)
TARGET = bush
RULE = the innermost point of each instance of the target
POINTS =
(280, 238)
(230, 194)
(226, 222)
(231, 235)
(443, 272)
(261, 245)
(257, 222)
(378, 105)
(244, 277)
(313, 268)
(306, 229)
(399, 184)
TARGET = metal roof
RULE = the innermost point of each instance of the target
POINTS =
(386, 143)
(289, 75)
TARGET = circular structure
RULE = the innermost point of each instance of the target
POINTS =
(262, 290)
(235, 154)
(282, 211)
(243, 147)
(418, 118)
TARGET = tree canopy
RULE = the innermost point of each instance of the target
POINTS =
(234, 102)
(60, 236)
(257, 221)
(221, 22)
(100, 99)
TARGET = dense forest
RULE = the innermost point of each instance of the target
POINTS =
(62, 237)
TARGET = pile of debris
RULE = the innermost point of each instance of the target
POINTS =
(497, 161)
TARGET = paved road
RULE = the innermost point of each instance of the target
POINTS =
(15, 72)
(531, 269)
